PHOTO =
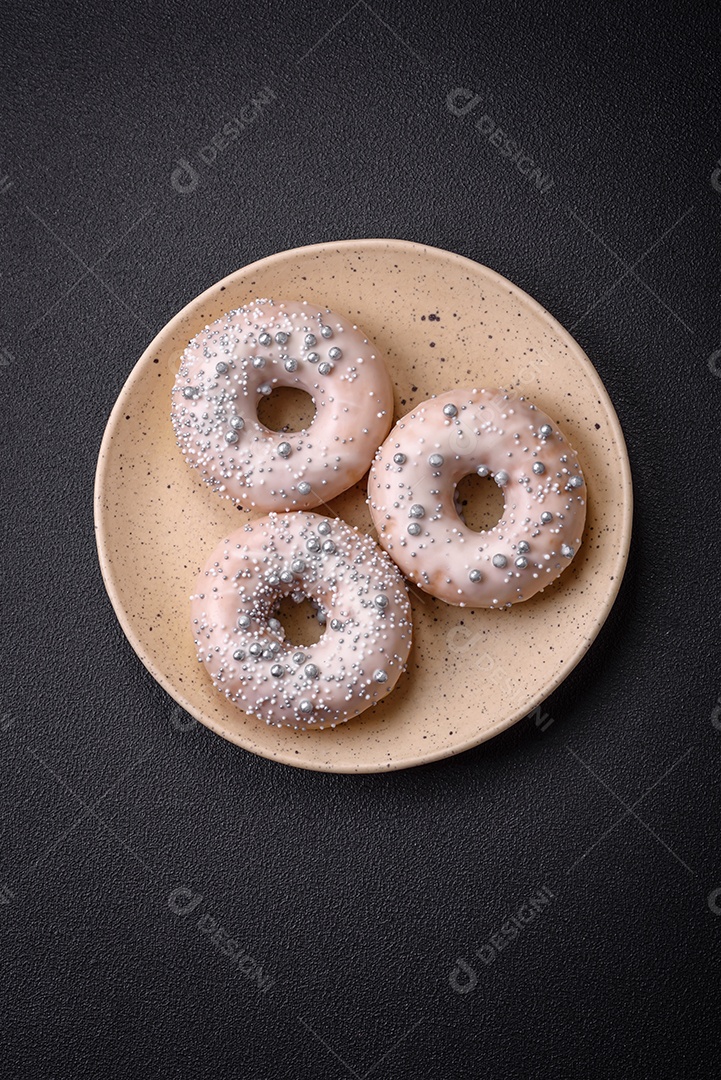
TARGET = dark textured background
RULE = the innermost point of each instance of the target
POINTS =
(358, 895)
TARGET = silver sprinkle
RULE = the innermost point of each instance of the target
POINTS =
(417, 511)
(546, 517)
(189, 392)
(546, 430)
(221, 367)
(399, 459)
(483, 470)
(312, 358)
(277, 670)
(500, 561)
(321, 617)
(450, 410)
(336, 624)
(380, 676)
(276, 626)
(297, 566)
(237, 422)
(239, 654)
(285, 449)
(258, 362)
(265, 338)
(328, 547)
(281, 337)
(310, 340)
(286, 577)
(539, 468)
(304, 488)
(325, 368)
(435, 460)
(265, 388)
(521, 562)
(311, 671)
(305, 706)
(567, 551)
(335, 353)
(312, 544)
(501, 477)
(231, 436)
(414, 528)
(298, 657)
(381, 601)
(244, 621)
(475, 576)
(256, 649)
(274, 579)
(326, 331)
(575, 482)
(290, 364)
(324, 528)
(523, 547)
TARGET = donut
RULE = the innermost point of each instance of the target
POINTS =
(411, 494)
(362, 600)
(234, 362)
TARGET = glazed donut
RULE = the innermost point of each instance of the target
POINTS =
(230, 365)
(412, 486)
(360, 594)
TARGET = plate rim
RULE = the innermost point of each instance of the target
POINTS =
(101, 531)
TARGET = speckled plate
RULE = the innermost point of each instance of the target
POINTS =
(441, 321)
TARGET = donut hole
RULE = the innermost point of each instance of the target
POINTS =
(286, 409)
(300, 621)
(479, 502)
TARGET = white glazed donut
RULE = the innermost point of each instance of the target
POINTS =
(412, 487)
(359, 590)
(231, 364)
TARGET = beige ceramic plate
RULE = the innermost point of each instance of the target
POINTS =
(441, 321)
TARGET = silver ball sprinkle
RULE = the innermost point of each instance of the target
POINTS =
(546, 430)
(328, 547)
(312, 358)
(274, 580)
(417, 511)
(325, 368)
(237, 422)
(523, 547)
(321, 617)
(381, 601)
(483, 470)
(324, 528)
(298, 657)
(290, 364)
(380, 675)
(311, 671)
(277, 670)
(286, 577)
(521, 562)
(297, 566)
(435, 460)
(501, 477)
(188, 392)
(285, 449)
(231, 436)
(546, 517)
(265, 388)
(304, 488)
(265, 338)
(539, 468)
(239, 654)
(276, 626)
(475, 576)
(450, 410)
(221, 367)
(335, 353)
(500, 561)
(312, 544)
(399, 459)
(305, 706)
(326, 331)
(244, 621)
(258, 362)
(336, 624)
(567, 551)
(575, 482)
(256, 649)
(281, 337)
(310, 340)
(414, 528)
